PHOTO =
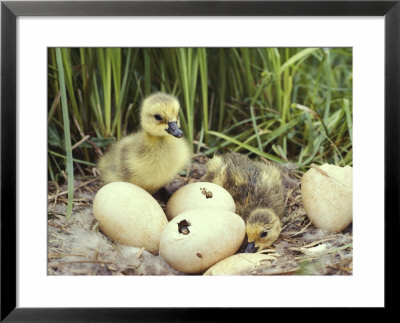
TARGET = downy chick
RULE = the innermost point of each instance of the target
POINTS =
(257, 190)
(151, 157)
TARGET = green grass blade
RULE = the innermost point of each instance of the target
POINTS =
(246, 63)
(253, 120)
(188, 66)
(115, 57)
(147, 73)
(67, 135)
(221, 88)
(346, 105)
(68, 82)
(297, 57)
(105, 78)
(247, 147)
(95, 103)
(117, 122)
(83, 162)
(204, 89)
(328, 83)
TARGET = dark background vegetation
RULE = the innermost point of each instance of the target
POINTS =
(289, 105)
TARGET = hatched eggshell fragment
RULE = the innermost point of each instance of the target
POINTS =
(196, 239)
(327, 193)
(199, 195)
(129, 215)
(241, 262)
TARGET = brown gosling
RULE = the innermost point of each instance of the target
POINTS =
(257, 190)
(151, 157)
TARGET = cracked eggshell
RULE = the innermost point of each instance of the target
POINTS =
(239, 263)
(199, 195)
(197, 239)
(327, 193)
(129, 215)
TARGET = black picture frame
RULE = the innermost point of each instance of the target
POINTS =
(11, 10)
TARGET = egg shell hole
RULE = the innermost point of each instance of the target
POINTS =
(183, 227)
(199, 195)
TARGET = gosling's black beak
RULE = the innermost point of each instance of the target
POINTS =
(174, 130)
(251, 248)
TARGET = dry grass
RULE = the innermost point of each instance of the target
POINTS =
(76, 247)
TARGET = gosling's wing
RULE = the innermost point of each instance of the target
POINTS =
(214, 168)
(113, 165)
(271, 189)
(109, 165)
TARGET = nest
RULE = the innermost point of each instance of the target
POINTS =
(77, 247)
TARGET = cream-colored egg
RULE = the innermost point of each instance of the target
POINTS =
(196, 239)
(327, 193)
(239, 264)
(129, 215)
(199, 195)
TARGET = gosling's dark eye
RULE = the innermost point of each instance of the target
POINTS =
(263, 234)
(158, 117)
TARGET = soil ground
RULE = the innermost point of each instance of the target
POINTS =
(77, 247)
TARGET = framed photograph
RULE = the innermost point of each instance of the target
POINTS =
(48, 46)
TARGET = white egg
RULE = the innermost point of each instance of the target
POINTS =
(129, 215)
(327, 194)
(199, 195)
(239, 263)
(196, 239)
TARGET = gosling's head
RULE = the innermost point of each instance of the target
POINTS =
(159, 115)
(263, 228)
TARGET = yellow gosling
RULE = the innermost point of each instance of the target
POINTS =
(152, 157)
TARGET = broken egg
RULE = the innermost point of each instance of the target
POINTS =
(239, 263)
(327, 193)
(129, 215)
(197, 239)
(199, 195)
